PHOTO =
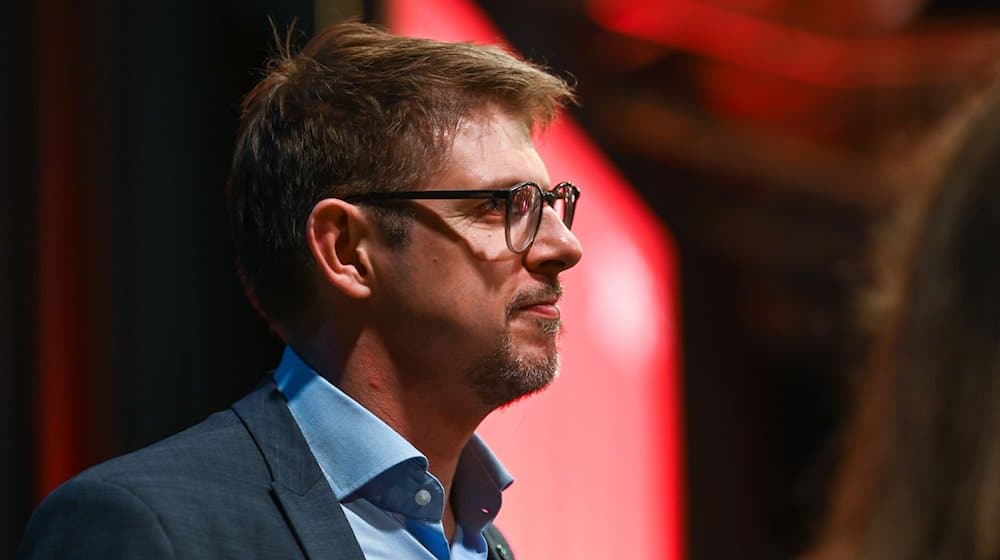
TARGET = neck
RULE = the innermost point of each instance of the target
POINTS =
(424, 413)
(430, 410)
(435, 419)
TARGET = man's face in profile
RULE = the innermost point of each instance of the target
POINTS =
(457, 300)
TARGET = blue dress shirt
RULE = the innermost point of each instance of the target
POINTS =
(394, 505)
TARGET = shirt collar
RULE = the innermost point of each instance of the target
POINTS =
(351, 444)
(354, 447)
(479, 480)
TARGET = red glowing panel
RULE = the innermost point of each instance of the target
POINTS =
(731, 36)
(857, 57)
(596, 456)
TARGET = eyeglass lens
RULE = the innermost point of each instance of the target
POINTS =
(523, 213)
(564, 204)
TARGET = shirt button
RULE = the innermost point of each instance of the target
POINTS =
(422, 497)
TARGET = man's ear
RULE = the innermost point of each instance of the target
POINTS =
(335, 233)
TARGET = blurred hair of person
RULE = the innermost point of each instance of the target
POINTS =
(920, 477)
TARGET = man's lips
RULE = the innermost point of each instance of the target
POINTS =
(548, 309)
(541, 302)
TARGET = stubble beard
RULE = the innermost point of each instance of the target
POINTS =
(501, 377)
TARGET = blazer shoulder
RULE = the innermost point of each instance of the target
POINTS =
(205, 492)
(94, 519)
(218, 448)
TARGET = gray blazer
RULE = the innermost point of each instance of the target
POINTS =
(241, 484)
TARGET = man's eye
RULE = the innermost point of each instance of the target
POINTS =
(494, 205)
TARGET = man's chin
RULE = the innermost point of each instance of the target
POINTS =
(529, 382)
(537, 356)
(535, 339)
(509, 374)
(527, 390)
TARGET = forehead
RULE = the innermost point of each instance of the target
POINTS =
(491, 150)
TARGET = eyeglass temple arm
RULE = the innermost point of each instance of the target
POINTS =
(426, 195)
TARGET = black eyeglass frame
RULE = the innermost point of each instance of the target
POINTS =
(566, 191)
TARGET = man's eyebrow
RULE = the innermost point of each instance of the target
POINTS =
(507, 182)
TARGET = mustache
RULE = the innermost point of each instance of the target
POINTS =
(552, 289)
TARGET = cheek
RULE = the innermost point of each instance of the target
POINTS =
(485, 242)
(470, 283)
(491, 247)
(478, 295)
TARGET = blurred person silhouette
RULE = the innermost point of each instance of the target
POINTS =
(920, 477)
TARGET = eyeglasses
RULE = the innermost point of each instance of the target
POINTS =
(523, 204)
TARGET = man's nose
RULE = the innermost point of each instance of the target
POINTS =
(555, 248)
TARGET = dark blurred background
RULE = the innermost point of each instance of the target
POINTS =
(766, 134)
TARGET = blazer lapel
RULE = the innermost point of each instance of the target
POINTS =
(322, 530)
(297, 483)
